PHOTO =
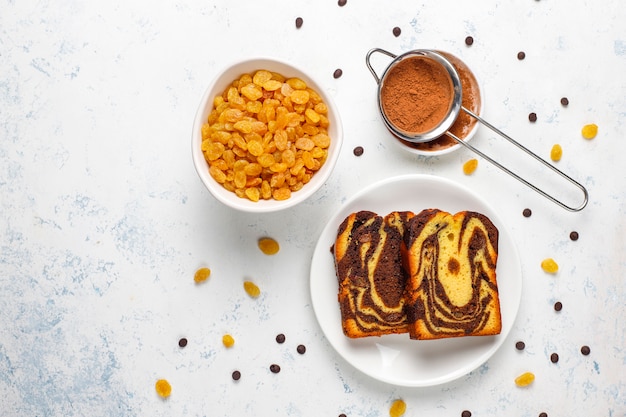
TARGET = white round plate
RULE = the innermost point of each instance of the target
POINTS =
(396, 359)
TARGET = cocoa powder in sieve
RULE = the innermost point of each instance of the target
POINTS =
(416, 94)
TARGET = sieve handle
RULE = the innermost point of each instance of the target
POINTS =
(529, 152)
(369, 64)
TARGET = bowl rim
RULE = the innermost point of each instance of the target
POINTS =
(219, 83)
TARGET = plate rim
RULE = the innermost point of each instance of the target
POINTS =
(504, 232)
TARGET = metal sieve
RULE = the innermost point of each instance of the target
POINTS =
(454, 109)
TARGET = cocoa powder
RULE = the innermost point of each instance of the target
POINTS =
(416, 94)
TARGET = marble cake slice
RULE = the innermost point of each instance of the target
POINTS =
(371, 277)
(451, 262)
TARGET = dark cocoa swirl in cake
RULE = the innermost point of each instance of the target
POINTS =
(452, 289)
(368, 262)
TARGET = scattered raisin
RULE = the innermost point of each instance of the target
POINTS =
(236, 375)
(163, 388)
(564, 101)
(268, 245)
(558, 306)
(573, 236)
(532, 117)
(589, 131)
(470, 166)
(299, 22)
(301, 349)
(554, 358)
(397, 409)
(469, 41)
(338, 73)
(251, 288)
(542, 414)
(397, 31)
(520, 345)
(182, 342)
(549, 265)
(556, 152)
(358, 151)
(228, 340)
(342, 3)
(521, 55)
(527, 212)
(585, 350)
(525, 379)
(280, 338)
(466, 413)
(202, 275)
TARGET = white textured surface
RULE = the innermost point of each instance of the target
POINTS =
(104, 220)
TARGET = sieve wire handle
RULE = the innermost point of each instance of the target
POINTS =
(529, 152)
(369, 65)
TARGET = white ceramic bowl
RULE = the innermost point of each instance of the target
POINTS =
(217, 87)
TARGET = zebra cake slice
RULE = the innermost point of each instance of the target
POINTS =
(451, 262)
(370, 273)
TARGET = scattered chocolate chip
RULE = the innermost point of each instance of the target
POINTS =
(342, 3)
(274, 368)
(564, 101)
(554, 358)
(301, 349)
(299, 22)
(358, 151)
(466, 413)
(573, 236)
(280, 338)
(542, 414)
(532, 117)
(527, 212)
(520, 345)
(397, 31)
(469, 41)
(338, 73)
(521, 55)
(558, 306)
(342, 415)
(182, 342)
(236, 375)
(585, 350)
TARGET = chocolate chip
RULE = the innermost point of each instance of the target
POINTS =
(301, 349)
(182, 342)
(542, 414)
(532, 117)
(527, 212)
(564, 101)
(520, 345)
(358, 151)
(554, 358)
(573, 236)
(280, 338)
(274, 368)
(521, 55)
(236, 375)
(338, 73)
(469, 41)
(558, 306)
(299, 22)
(397, 31)
(342, 415)
(466, 413)
(585, 350)
(342, 3)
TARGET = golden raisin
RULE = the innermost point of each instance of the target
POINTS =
(525, 379)
(163, 388)
(590, 131)
(549, 265)
(268, 245)
(202, 275)
(228, 340)
(251, 288)
(556, 153)
(470, 166)
(397, 409)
